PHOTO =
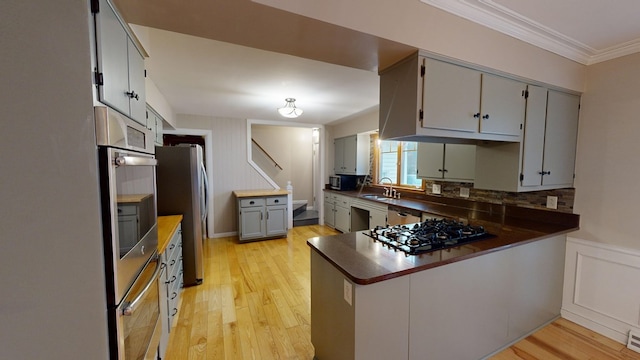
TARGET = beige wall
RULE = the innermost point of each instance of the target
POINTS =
(53, 302)
(607, 164)
(414, 23)
(231, 171)
(292, 148)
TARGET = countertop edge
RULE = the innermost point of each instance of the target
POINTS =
(395, 274)
(167, 226)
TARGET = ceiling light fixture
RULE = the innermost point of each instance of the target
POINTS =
(289, 110)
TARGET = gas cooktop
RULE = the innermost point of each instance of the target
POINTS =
(430, 235)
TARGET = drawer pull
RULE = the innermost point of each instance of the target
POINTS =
(175, 311)
(173, 296)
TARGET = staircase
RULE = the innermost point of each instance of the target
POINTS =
(302, 216)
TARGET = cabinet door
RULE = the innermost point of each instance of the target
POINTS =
(112, 47)
(159, 131)
(151, 120)
(350, 152)
(451, 97)
(338, 156)
(128, 231)
(503, 104)
(137, 104)
(377, 218)
(560, 138)
(343, 219)
(329, 214)
(533, 142)
(252, 222)
(276, 220)
(430, 160)
(460, 161)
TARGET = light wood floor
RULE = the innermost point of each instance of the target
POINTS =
(255, 304)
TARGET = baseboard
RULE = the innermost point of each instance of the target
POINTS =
(226, 234)
(600, 288)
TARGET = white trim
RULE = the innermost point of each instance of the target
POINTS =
(208, 141)
(497, 17)
(317, 178)
(600, 288)
(225, 234)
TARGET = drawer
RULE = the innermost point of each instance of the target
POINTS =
(252, 202)
(277, 200)
(127, 210)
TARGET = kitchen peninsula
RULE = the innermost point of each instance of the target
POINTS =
(371, 302)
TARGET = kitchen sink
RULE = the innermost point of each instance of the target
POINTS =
(374, 197)
(378, 198)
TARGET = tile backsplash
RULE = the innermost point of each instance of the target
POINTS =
(534, 199)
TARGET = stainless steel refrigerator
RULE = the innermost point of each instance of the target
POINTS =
(181, 186)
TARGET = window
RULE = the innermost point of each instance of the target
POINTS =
(397, 162)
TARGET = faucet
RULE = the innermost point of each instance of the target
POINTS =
(388, 191)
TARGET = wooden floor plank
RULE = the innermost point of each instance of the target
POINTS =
(254, 303)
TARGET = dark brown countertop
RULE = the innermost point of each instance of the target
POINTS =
(364, 261)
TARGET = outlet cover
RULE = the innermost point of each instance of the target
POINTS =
(348, 291)
(464, 192)
(435, 188)
(552, 202)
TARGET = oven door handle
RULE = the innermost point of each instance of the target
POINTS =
(135, 161)
(131, 307)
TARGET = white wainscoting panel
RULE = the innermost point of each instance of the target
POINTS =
(602, 288)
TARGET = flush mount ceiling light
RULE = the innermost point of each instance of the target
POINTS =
(289, 110)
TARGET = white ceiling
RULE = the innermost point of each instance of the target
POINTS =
(245, 73)
(213, 78)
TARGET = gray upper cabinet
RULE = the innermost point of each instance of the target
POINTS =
(546, 157)
(154, 123)
(561, 134)
(422, 98)
(461, 99)
(453, 162)
(120, 65)
(351, 155)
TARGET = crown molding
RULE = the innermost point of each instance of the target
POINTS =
(502, 19)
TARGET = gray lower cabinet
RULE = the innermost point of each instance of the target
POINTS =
(262, 217)
(329, 211)
(128, 226)
(468, 309)
(337, 212)
(170, 286)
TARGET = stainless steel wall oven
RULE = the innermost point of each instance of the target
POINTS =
(127, 167)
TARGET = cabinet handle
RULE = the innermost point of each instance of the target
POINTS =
(544, 172)
(132, 94)
(440, 170)
(485, 116)
(173, 295)
(476, 115)
(175, 311)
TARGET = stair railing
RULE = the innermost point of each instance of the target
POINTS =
(266, 154)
